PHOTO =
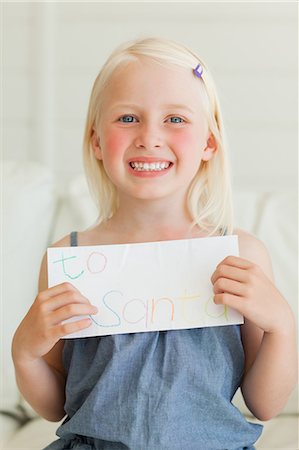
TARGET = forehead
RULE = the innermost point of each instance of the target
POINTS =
(146, 81)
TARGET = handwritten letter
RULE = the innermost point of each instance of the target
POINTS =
(148, 286)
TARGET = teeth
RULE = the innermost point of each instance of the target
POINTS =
(140, 166)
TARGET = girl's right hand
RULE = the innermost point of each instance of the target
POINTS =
(43, 326)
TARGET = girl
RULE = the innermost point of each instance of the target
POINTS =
(155, 159)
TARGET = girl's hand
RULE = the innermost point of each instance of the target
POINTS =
(242, 285)
(42, 326)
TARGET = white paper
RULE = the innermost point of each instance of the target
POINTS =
(146, 286)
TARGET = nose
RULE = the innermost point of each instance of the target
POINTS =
(149, 137)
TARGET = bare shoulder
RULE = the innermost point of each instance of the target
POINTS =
(63, 242)
(249, 243)
(254, 250)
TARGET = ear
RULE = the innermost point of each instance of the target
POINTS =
(95, 142)
(210, 149)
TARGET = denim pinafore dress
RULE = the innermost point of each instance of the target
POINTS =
(168, 390)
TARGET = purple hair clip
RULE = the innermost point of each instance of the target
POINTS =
(198, 71)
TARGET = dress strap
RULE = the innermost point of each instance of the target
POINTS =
(223, 231)
(74, 238)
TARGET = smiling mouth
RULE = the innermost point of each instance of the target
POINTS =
(150, 166)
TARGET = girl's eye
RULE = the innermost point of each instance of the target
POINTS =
(127, 119)
(176, 119)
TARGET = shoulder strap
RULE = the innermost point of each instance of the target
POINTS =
(74, 239)
(223, 231)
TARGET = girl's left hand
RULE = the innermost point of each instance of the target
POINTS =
(242, 285)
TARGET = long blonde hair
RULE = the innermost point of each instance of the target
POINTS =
(209, 198)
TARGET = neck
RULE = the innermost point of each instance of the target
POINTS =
(142, 220)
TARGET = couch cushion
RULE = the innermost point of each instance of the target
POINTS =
(28, 211)
(35, 435)
(77, 210)
(8, 427)
(248, 205)
(278, 230)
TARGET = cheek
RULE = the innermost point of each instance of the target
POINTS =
(185, 141)
(115, 144)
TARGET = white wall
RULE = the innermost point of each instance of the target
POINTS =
(53, 51)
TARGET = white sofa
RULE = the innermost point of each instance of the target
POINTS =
(36, 214)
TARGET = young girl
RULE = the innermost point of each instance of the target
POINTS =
(155, 159)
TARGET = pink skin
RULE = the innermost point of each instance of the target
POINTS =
(152, 135)
(121, 138)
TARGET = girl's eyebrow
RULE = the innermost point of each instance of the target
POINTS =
(166, 106)
(125, 106)
(178, 106)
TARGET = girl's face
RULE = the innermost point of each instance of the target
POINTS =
(153, 133)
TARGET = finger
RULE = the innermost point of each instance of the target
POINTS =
(72, 310)
(72, 327)
(64, 299)
(236, 261)
(230, 272)
(56, 290)
(230, 300)
(224, 285)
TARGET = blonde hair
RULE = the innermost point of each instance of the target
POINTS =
(209, 198)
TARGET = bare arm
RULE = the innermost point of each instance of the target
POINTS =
(42, 386)
(37, 347)
(268, 334)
